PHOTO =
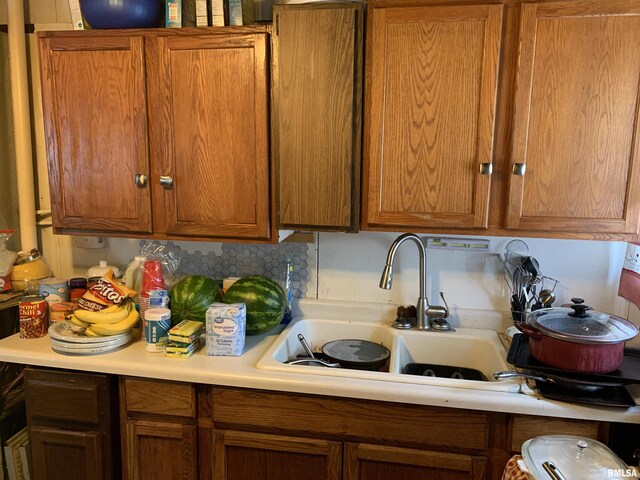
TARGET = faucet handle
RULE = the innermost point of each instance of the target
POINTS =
(437, 314)
(446, 307)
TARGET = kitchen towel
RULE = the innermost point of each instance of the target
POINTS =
(630, 276)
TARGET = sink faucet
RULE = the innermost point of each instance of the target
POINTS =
(425, 313)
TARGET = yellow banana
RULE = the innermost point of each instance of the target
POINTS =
(76, 321)
(112, 308)
(116, 328)
(101, 317)
(90, 333)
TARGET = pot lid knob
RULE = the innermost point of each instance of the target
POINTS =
(577, 300)
(579, 310)
(582, 446)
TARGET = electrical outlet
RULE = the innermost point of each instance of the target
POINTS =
(89, 242)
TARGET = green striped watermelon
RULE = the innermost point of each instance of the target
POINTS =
(265, 301)
(191, 297)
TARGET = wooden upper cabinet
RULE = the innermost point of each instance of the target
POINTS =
(430, 95)
(317, 85)
(576, 118)
(95, 122)
(209, 125)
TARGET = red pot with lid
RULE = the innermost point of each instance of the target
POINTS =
(577, 338)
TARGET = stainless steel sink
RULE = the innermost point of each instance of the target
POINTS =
(479, 349)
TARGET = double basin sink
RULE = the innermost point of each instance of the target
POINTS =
(472, 348)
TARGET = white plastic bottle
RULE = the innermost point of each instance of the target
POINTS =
(133, 275)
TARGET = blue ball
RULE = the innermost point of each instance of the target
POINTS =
(122, 13)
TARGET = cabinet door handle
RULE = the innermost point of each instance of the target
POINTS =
(486, 168)
(519, 168)
(140, 180)
(166, 182)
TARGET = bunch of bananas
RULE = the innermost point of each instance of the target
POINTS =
(112, 320)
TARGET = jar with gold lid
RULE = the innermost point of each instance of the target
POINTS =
(27, 271)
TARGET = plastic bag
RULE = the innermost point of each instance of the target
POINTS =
(7, 257)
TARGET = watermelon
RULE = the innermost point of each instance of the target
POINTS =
(191, 297)
(265, 301)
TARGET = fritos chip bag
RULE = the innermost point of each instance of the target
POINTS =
(108, 291)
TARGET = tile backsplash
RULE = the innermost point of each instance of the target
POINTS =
(239, 260)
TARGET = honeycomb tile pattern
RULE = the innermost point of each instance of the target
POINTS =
(239, 260)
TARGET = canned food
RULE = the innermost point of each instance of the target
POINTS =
(77, 288)
(54, 290)
(156, 329)
(33, 316)
(59, 311)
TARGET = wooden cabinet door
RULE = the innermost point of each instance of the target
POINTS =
(63, 454)
(379, 462)
(576, 118)
(95, 118)
(317, 85)
(259, 456)
(159, 450)
(208, 107)
(430, 96)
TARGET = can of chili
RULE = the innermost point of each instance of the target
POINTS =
(32, 311)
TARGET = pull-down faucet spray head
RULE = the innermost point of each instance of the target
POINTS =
(387, 277)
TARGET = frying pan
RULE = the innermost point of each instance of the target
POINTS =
(585, 385)
(351, 353)
(357, 354)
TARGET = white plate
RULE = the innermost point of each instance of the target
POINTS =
(67, 332)
(85, 346)
(88, 350)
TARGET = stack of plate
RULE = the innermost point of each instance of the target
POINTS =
(71, 340)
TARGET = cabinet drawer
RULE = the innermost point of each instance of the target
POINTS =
(526, 427)
(66, 396)
(306, 415)
(159, 397)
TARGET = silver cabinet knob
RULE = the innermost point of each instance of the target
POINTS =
(486, 168)
(519, 168)
(166, 182)
(140, 180)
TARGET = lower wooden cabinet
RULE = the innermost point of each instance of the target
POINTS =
(259, 456)
(65, 454)
(73, 427)
(154, 449)
(185, 431)
(380, 462)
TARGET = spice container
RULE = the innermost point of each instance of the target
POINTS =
(77, 288)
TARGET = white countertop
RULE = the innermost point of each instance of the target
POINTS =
(241, 371)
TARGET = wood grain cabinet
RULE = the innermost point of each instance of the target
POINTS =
(185, 431)
(159, 429)
(511, 118)
(316, 127)
(159, 133)
(576, 118)
(73, 428)
(430, 94)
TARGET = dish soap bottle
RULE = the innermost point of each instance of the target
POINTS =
(285, 283)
